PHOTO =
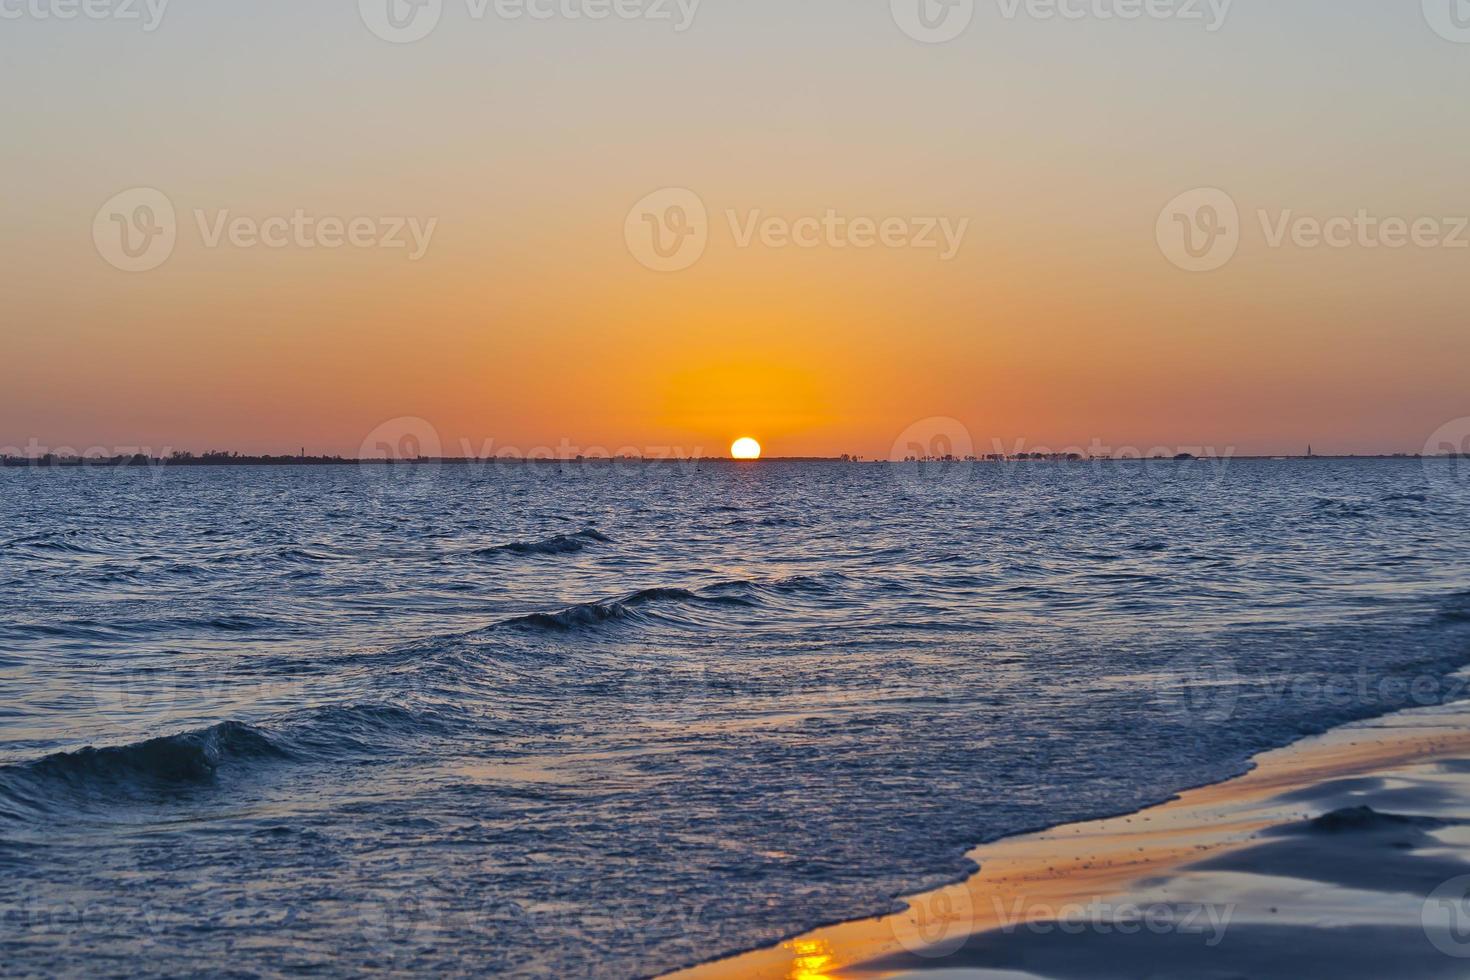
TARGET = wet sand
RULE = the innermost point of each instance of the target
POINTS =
(1339, 856)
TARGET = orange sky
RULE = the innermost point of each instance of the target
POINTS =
(530, 323)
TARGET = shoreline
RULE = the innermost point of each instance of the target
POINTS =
(1062, 898)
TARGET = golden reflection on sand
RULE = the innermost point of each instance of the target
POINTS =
(810, 959)
(1083, 863)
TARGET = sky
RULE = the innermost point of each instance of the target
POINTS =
(538, 157)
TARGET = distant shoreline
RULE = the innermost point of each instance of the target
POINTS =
(71, 462)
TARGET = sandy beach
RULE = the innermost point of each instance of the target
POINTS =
(1344, 855)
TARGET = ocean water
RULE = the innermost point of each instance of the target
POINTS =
(608, 720)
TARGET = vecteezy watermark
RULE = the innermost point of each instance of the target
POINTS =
(1363, 230)
(939, 21)
(1450, 19)
(35, 452)
(1210, 13)
(407, 21)
(161, 696)
(126, 695)
(394, 923)
(399, 922)
(407, 456)
(401, 457)
(938, 455)
(401, 21)
(1212, 688)
(402, 440)
(937, 923)
(118, 462)
(303, 230)
(1123, 918)
(832, 229)
(1198, 690)
(148, 13)
(70, 919)
(669, 230)
(933, 21)
(933, 456)
(1446, 455)
(1214, 459)
(1201, 230)
(661, 693)
(1445, 917)
(137, 230)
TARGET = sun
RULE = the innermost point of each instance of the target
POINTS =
(746, 448)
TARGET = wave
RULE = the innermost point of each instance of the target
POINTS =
(1331, 507)
(125, 576)
(302, 556)
(766, 522)
(97, 630)
(356, 731)
(187, 757)
(595, 613)
(729, 594)
(123, 772)
(560, 544)
(67, 781)
(793, 586)
(63, 542)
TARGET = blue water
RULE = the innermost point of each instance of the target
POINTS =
(610, 720)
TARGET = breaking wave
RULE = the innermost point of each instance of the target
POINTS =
(561, 544)
(733, 594)
(62, 783)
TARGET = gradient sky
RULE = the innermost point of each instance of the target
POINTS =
(529, 323)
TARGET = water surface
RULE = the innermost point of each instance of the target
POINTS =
(610, 720)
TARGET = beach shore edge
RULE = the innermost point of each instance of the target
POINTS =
(1124, 862)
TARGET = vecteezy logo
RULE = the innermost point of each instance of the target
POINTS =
(1449, 18)
(1446, 917)
(401, 456)
(125, 696)
(1446, 455)
(402, 440)
(668, 230)
(933, 21)
(401, 21)
(933, 455)
(394, 924)
(136, 230)
(1199, 231)
(937, 923)
(1198, 689)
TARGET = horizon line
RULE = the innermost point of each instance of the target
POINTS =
(222, 458)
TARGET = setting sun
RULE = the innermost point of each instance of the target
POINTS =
(745, 449)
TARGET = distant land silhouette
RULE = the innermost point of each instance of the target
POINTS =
(220, 458)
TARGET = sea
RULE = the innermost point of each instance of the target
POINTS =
(611, 718)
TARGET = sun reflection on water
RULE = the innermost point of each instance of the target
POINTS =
(810, 961)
